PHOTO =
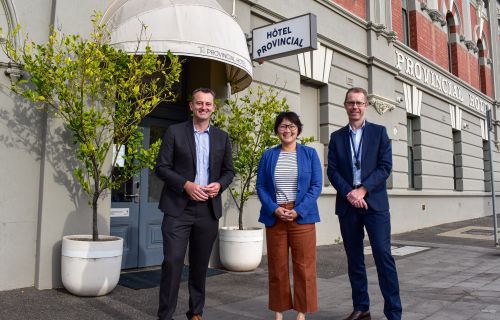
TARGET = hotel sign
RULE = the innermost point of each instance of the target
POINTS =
(285, 38)
(433, 79)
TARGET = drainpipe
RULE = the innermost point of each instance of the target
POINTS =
(492, 176)
(495, 68)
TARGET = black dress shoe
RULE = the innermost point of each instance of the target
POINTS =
(359, 315)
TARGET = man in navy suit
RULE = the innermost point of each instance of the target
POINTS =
(195, 164)
(359, 163)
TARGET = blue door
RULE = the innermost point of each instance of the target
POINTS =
(150, 217)
(134, 207)
(125, 219)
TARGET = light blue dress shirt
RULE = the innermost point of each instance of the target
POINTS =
(356, 138)
(202, 140)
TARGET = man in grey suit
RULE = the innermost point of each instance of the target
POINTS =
(195, 164)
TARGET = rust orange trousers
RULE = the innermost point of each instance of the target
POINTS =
(301, 240)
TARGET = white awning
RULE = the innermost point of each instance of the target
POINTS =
(197, 28)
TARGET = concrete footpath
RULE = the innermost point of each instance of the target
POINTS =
(450, 271)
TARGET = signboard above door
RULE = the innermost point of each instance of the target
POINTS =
(284, 38)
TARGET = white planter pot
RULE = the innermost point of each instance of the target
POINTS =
(240, 250)
(91, 268)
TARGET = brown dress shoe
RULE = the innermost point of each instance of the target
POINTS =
(359, 315)
(196, 317)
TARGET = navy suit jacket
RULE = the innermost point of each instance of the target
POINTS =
(176, 164)
(376, 165)
(309, 184)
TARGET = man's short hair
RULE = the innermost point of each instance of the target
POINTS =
(204, 90)
(356, 90)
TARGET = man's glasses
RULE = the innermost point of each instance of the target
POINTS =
(355, 103)
(283, 127)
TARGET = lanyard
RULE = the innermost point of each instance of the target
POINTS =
(357, 163)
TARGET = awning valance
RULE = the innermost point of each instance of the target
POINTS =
(198, 28)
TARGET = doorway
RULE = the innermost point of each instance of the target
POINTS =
(134, 207)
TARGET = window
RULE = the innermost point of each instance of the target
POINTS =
(405, 20)
(411, 152)
(450, 27)
(481, 66)
(458, 184)
(486, 164)
(485, 134)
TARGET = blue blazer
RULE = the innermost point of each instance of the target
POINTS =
(309, 184)
(376, 165)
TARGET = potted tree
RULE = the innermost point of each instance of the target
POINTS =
(101, 95)
(249, 121)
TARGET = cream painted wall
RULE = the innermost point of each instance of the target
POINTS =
(21, 129)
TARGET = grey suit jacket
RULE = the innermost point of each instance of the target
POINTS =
(176, 164)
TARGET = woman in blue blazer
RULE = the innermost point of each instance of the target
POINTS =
(289, 181)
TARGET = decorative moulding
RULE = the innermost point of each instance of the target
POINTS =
(434, 14)
(13, 71)
(381, 104)
(471, 45)
(381, 29)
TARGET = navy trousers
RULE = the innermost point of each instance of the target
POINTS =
(378, 227)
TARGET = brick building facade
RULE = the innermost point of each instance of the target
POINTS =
(431, 68)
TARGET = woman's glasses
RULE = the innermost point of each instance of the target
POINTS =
(283, 127)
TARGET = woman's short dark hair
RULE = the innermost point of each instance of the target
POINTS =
(290, 116)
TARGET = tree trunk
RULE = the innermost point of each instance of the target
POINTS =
(240, 218)
(95, 232)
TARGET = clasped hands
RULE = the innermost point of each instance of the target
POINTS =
(202, 193)
(285, 214)
(356, 198)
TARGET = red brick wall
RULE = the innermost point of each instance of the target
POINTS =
(440, 49)
(472, 66)
(431, 41)
(428, 39)
(466, 65)
(420, 32)
(397, 19)
(358, 7)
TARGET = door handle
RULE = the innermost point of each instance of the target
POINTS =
(135, 196)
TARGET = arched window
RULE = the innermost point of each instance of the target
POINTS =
(481, 64)
(405, 17)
